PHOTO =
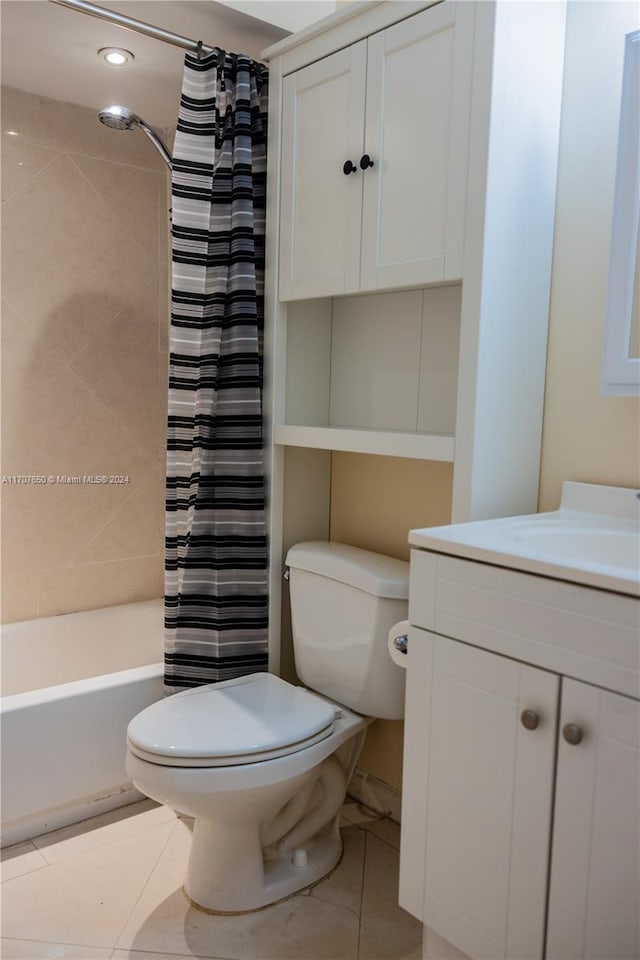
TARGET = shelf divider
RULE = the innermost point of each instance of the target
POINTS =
(390, 443)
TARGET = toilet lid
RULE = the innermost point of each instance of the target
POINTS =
(237, 721)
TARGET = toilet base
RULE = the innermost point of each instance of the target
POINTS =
(280, 879)
(265, 830)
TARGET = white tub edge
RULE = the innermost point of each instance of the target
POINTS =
(78, 770)
(29, 698)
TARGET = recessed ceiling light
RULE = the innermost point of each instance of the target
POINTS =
(116, 56)
(12, 133)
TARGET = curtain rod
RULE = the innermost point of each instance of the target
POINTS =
(138, 26)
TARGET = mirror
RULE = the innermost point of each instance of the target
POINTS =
(621, 353)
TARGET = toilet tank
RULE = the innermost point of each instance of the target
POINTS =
(344, 601)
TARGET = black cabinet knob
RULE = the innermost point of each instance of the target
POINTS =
(348, 167)
(365, 162)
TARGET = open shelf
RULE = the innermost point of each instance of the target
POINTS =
(373, 374)
(390, 443)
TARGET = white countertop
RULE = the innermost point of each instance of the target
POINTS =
(593, 539)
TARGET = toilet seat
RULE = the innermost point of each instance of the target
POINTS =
(235, 722)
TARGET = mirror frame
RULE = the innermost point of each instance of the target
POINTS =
(620, 374)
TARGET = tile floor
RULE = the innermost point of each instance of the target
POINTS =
(111, 887)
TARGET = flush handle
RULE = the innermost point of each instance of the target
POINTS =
(401, 643)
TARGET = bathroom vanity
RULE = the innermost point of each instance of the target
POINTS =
(521, 793)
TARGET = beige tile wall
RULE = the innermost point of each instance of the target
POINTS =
(84, 340)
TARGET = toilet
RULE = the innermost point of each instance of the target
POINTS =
(263, 765)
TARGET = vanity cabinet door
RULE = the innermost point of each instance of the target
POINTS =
(594, 903)
(481, 796)
(321, 205)
(416, 133)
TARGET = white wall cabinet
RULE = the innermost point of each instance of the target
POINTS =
(496, 857)
(322, 126)
(417, 129)
(403, 315)
(395, 108)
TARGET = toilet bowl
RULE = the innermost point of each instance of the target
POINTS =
(263, 765)
(263, 827)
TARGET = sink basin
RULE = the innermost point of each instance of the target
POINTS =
(594, 538)
(606, 547)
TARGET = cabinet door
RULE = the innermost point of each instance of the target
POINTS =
(486, 784)
(594, 903)
(321, 206)
(417, 131)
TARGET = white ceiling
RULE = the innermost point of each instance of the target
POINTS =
(291, 15)
(51, 50)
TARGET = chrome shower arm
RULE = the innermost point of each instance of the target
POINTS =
(156, 140)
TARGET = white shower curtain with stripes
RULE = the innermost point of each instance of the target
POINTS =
(216, 544)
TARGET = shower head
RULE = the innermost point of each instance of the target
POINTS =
(118, 118)
(121, 118)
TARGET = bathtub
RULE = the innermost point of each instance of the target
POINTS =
(70, 685)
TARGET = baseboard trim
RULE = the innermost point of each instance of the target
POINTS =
(375, 794)
(45, 821)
